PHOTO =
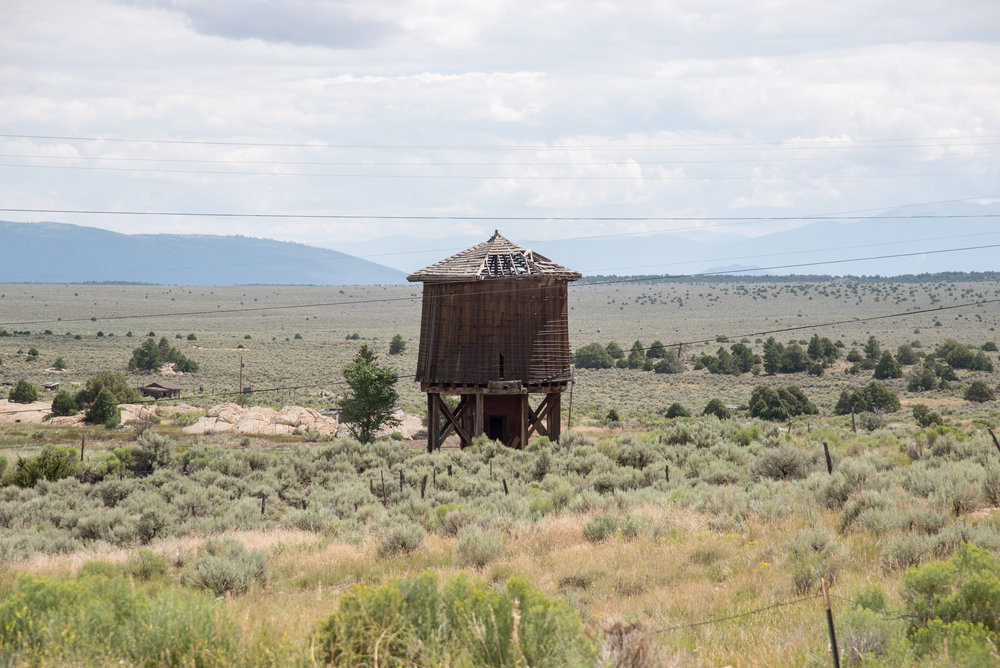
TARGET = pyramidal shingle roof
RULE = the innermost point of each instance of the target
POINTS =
(496, 258)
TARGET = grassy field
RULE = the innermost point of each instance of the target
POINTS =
(691, 541)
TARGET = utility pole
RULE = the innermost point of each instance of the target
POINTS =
(241, 374)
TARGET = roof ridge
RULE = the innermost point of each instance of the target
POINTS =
(496, 258)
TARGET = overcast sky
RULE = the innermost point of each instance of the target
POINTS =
(515, 108)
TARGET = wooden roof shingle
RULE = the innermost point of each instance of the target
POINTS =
(497, 258)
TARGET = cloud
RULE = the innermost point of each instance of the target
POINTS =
(328, 23)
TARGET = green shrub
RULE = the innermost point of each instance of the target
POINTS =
(466, 622)
(782, 463)
(400, 537)
(23, 393)
(925, 417)
(476, 548)
(979, 392)
(717, 408)
(676, 410)
(600, 528)
(145, 564)
(669, 363)
(54, 463)
(960, 595)
(226, 566)
(64, 404)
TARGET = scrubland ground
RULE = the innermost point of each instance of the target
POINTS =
(686, 541)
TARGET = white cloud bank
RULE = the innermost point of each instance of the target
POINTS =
(492, 108)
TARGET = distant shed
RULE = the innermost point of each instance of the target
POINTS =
(162, 389)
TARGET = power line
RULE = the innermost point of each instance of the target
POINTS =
(741, 615)
(372, 163)
(341, 216)
(823, 144)
(639, 279)
(479, 177)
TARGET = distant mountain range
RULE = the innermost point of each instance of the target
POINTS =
(819, 247)
(61, 253)
(949, 237)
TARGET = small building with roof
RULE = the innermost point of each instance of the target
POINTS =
(494, 330)
(161, 389)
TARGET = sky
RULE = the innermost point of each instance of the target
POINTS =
(425, 118)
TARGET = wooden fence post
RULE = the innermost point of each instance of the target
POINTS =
(829, 462)
(829, 622)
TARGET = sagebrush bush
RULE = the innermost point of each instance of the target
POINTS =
(226, 566)
(782, 463)
(477, 548)
(600, 528)
(401, 536)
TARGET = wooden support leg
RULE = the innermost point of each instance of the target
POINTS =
(479, 420)
(432, 422)
(555, 415)
(525, 420)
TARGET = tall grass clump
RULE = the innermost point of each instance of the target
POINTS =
(98, 620)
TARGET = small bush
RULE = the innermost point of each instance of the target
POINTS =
(600, 528)
(54, 463)
(718, 409)
(402, 537)
(145, 565)
(478, 549)
(676, 410)
(960, 594)
(226, 566)
(782, 463)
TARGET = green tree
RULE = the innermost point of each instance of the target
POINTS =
(669, 363)
(676, 410)
(64, 404)
(104, 410)
(906, 356)
(114, 382)
(24, 392)
(397, 345)
(888, 367)
(874, 397)
(979, 392)
(636, 356)
(615, 351)
(593, 356)
(718, 409)
(369, 405)
(59, 364)
(656, 350)
(793, 359)
(779, 404)
(872, 349)
(772, 355)
(150, 356)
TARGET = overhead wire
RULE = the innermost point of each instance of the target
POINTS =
(839, 143)
(637, 279)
